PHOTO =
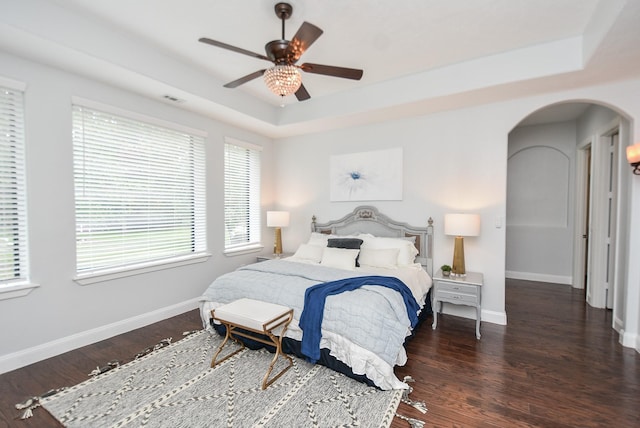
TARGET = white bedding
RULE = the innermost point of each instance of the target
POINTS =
(361, 360)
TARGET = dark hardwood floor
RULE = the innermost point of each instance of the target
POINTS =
(556, 364)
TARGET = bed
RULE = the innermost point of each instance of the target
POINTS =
(361, 331)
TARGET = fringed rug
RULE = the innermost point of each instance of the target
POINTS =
(175, 387)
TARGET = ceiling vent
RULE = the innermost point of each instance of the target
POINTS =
(173, 99)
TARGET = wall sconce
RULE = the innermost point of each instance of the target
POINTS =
(633, 156)
(460, 225)
(277, 219)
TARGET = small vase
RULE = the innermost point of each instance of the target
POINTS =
(446, 273)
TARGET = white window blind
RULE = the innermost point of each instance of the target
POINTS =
(241, 196)
(13, 217)
(139, 192)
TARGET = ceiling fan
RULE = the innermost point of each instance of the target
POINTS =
(284, 77)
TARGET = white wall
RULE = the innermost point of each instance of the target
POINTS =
(61, 313)
(540, 202)
(453, 161)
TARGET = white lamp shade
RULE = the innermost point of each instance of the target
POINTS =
(462, 224)
(277, 218)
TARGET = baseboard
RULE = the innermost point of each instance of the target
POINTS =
(629, 340)
(41, 352)
(540, 277)
(494, 317)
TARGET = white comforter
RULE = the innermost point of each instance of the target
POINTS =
(364, 328)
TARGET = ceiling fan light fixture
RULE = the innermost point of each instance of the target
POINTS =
(283, 80)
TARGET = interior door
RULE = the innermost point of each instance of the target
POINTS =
(602, 222)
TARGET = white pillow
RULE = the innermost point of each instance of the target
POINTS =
(340, 258)
(384, 258)
(407, 251)
(309, 252)
(317, 238)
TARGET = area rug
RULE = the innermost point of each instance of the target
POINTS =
(175, 387)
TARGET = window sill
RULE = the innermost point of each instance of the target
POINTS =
(239, 251)
(110, 274)
(20, 289)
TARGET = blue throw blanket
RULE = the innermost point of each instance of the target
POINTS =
(315, 297)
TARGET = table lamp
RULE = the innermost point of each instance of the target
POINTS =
(277, 219)
(460, 225)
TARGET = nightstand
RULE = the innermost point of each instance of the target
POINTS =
(459, 290)
(272, 257)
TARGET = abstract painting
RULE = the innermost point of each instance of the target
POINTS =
(367, 176)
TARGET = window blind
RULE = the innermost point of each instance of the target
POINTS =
(13, 216)
(139, 191)
(241, 196)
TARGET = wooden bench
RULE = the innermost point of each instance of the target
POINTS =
(254, 320)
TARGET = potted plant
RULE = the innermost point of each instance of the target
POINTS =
(446, 270)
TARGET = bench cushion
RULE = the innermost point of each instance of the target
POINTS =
(249, 313)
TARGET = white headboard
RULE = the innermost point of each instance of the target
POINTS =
(367, 219)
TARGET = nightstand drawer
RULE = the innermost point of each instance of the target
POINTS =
(457, 287)
(452, 297)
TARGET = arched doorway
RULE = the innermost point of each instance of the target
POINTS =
(562, 200)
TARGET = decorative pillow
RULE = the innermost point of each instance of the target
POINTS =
(349, 243)
(407, 250)
(309, 252)
(384, 258)
(340, 258)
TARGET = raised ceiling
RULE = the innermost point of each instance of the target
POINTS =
(417, 55)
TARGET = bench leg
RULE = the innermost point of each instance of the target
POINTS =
(224, 342)
(277, 341)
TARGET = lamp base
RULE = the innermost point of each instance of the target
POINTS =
(457, 267)
(277, 243)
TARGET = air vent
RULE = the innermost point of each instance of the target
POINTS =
(172, 99)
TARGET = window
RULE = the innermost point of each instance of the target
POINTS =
(139, 191)
(13, 216)
(241, 196)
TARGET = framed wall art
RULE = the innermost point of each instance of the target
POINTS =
(366, 176)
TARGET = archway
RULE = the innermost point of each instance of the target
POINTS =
(563, 177)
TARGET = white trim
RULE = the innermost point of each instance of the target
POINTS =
(18, 289)
(540, 277)
(618, 324)
(41, 352)
(629, 340)
(494, 317)
(246, 249)
(469, 312)
(106, 108)
(13, 84)
(123, 272)
(243, 144)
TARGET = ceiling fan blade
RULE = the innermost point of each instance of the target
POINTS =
(302, 94)
(232, 48)
(306, 35)
(244, 79)
(329, 70)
